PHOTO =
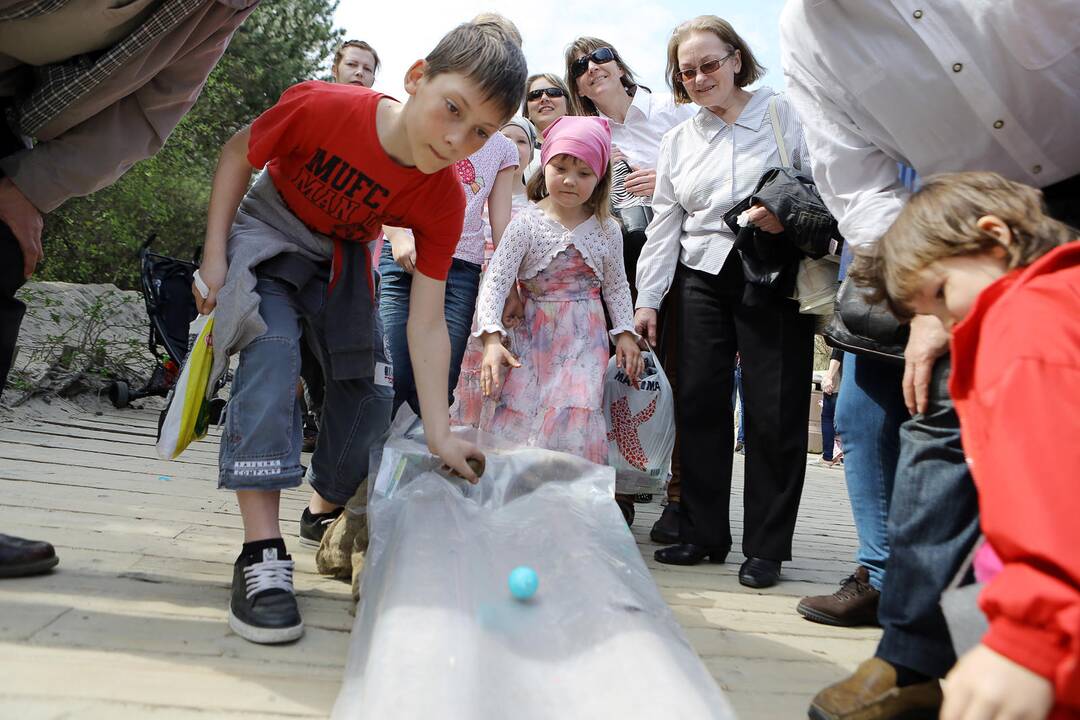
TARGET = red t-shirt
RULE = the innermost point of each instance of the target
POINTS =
(320, 145)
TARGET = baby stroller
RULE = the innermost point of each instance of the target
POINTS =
(166, 288)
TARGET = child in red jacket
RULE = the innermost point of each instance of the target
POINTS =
(979, 252)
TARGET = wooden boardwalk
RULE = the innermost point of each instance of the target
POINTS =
(133, 621)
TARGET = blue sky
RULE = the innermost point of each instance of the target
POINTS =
(401, 32)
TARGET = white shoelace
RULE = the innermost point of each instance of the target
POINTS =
(268, 575)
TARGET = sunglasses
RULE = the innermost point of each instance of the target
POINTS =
(551, 92)
(599, 56)
(706, 68)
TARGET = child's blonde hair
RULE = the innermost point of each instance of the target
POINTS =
(599, 202)
(940, 221)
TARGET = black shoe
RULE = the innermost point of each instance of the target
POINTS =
(665, 531)
(313, 527)
(643, 498)
(626, 505)
(690, 554)
(739, 447)
(19, 557)
(263, 607)
(759, 573)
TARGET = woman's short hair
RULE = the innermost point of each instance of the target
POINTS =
(556, 81)
(579, 104)
(360, 44)
(749, 73)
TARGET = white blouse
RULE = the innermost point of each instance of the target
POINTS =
(531, 242)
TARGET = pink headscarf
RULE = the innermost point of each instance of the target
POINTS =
(585, 137)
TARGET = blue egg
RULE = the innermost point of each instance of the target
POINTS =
(523, 582)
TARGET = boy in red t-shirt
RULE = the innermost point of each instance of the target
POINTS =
(290, 252)
(980, 253)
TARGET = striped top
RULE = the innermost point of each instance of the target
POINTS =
(705, 167)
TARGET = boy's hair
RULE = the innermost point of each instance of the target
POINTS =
(939, 221)
(599, 202)
(554, 80)
(360, 44)
(583, 46)
(487, 51)
(750, 71)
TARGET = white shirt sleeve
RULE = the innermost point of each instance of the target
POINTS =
(620, 304)
(660, 255)
(859, 183)
(500, 276)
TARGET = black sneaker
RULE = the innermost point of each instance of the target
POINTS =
(263, 607)
(313, 527)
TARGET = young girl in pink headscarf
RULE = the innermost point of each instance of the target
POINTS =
(565, 251)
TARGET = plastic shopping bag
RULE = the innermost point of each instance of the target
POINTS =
(641, 426)
(187, 417)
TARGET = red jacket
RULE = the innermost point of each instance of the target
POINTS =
(1016, 385)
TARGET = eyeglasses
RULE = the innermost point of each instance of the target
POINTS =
(551, 92)
(706, 68)
(599, 56)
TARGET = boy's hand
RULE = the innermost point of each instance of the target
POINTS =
(628, 356)
(514, 310)
(24, 221)
(456, 453)
(987, 686)
(495, 358)
(212, 271)
(645, 324)
(403, 248)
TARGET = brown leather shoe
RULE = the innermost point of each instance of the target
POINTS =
(871, 694)
(855, 603)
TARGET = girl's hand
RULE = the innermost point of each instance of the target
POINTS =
(212, 271)
(495, 358)
(456, 453)
(984, 684)
(628, 356)
(762, 219)
(645, 324)
(514, 310)
(403, 248)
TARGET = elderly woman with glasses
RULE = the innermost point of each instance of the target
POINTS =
(708, 164)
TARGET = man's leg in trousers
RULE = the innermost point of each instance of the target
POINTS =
(777, 353)
(933, 524)
(667, 347)
(11, 310)
(869, 411)
(706, 371)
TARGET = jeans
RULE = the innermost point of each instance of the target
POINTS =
(933, 524)
(869, 411)
(462, 287)
(260, 445)
(828, 431)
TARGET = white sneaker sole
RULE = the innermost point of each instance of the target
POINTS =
(307, 542)
(264, 636)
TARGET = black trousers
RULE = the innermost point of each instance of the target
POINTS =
(775, 343)
(11, 271)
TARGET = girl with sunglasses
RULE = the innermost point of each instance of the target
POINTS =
(708, 164)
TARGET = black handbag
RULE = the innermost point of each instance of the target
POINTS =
(863, 328)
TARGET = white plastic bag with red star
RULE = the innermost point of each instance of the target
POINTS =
(641, 426)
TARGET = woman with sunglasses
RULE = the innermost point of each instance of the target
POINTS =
(601, 83)
(546, 100)
(707, 164)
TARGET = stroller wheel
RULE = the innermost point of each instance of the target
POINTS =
(217, 410)
(119, 394)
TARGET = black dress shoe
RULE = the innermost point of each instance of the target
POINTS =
(759, 573)
(665, 531)
(690, 554)
(20, 557)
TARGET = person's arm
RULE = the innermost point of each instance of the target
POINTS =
(660, 255)
(402, 247)
(429, 350)
(230, 183)
(499, 202)
(829, 382)
(620, 306)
